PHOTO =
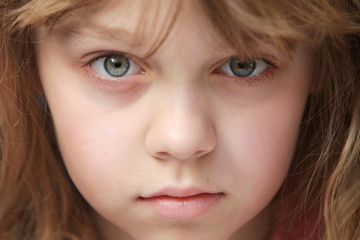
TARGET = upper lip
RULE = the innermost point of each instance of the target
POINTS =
(178, 192)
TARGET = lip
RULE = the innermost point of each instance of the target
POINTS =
(181, 203)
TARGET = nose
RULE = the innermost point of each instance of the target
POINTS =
(181, 129)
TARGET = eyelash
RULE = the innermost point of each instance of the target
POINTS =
(112, 82)
(252, 80)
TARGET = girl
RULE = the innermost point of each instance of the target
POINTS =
(230, 119)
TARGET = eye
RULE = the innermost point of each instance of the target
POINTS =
(115, 66)
(244, 69)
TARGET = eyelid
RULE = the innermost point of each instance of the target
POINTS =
(90, 57)
(224, 67)
(250, 81)
(98, 67)
(110, 84)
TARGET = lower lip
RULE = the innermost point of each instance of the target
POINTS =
(183, 207)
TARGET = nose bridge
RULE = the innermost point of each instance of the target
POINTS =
(182, 128)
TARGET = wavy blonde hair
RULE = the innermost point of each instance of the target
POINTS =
(37, 197)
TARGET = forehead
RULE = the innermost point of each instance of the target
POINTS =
(139, 23)
(147, 24)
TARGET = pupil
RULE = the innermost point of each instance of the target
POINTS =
(241, 65)
(117, 64)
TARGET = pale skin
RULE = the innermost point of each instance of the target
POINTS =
(177, 120)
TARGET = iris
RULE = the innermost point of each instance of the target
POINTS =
(242, 69)
(116, 65)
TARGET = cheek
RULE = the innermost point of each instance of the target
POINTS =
(268, 147)
(98, 147)
(272, 134)
(85, 147)
(260, 138)
(257, 143)
(96, 143)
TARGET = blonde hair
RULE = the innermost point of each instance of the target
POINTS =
(37, 197)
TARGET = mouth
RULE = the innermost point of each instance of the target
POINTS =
(181, 204)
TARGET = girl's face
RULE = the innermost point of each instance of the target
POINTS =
(189, 143)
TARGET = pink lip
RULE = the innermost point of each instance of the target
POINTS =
(175, 203)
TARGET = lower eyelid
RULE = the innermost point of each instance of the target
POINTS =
(253, 81)
(116, 85)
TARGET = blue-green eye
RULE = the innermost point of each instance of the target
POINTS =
(244, 69)
(115, 66)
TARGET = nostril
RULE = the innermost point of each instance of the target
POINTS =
(162, 155)
(166, 155)
(201, 153)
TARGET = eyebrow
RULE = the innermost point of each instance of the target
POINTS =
(79, 31)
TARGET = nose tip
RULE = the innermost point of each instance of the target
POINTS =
(185, 138)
